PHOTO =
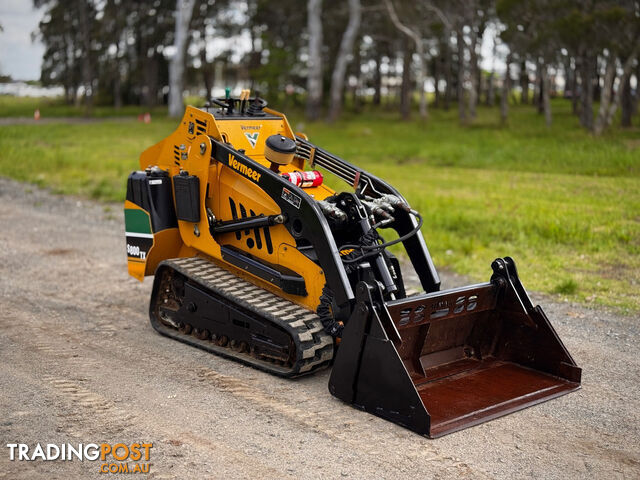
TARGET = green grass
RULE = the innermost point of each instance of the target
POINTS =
(566, 287)
(55, 107)
(89, 159)
(564, 204)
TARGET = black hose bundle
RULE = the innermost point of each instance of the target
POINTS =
(373, 248)
(325, 312)
(350, 259)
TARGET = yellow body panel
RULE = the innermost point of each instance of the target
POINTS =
(189, 148)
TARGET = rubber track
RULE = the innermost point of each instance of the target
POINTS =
(314, 347)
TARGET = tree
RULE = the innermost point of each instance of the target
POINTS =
(277, 46)
(413, 35)
(506, 88)
(626, 101)
(184, 10)
(69, 56)
(86, 16)
(607, 106)
(314, 76)
(605, 30)
(340, 68)
(530, 31)
(491, 95)
(621, 22)
(377, 48)
(211, 20)
(406, 88)
(462, 106)
(112, 28)
(474, 22)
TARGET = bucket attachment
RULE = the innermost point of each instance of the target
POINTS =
(440, 362)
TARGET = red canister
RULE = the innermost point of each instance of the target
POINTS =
(311, 178)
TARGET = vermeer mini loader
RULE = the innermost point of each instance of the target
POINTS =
(257, 260)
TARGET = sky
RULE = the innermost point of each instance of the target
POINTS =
(19, 56)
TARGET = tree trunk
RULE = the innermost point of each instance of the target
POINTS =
(448, 75)
(626, 102)
(545, 86)
(394, 93)
(254, 61)
(87, 68)
(184, 10)
(206, 76)
(117, 87)
(462, 111)
(421, 69)
(420, 80)
(617, 98)
(151, 80)
(491, 94)
(597, 92)
(357, 72)
(539, 90)
(605, 98)
(524, 83)
(473, 73)
(342, 60)
(314, 77)
(377, 81)
(636, 97)
(67, 77)
(586, 93)
(478, 58)
(405, 90)
(574, 87)
(69, 94)
(506, 88)
(206, 68)
(436, 82)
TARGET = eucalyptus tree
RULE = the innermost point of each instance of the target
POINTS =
(184, 10)
(342, 59)
(70, 50)
(314, 61)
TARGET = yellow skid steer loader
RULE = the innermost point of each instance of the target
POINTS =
(257, 260)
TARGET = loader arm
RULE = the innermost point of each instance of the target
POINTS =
(367, 184)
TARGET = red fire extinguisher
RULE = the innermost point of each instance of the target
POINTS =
(306, 179)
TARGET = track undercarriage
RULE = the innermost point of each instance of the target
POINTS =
(196, 302)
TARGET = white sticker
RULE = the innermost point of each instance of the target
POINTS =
(155, 181)
(291, 197)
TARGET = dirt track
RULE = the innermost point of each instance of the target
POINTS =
(79, 362)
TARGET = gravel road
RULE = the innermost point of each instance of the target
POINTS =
(79, 362)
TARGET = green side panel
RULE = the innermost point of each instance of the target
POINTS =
(136, 221)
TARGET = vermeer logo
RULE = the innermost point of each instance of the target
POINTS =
(252, 137)
(243, 169)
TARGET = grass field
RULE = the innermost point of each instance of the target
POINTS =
(565, 205)
(53, 107)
